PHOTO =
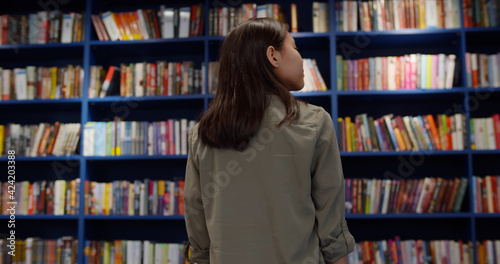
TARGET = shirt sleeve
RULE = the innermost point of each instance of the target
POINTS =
(328, 193)
(199, 241)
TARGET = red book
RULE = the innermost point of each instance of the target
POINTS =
(181, 197)
(152, 82)
(31, 200)
(165, 80)
(496, 125)
(479, 195)
(484, 194)
(494, 182)
(354, 195)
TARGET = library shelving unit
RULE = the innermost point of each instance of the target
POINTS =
(324, 47)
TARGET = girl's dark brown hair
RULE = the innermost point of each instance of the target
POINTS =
(245, 80)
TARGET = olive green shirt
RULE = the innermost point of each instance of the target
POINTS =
(279, 201)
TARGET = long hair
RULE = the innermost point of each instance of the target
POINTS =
(245, 80)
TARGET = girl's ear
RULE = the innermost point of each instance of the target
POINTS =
(272, 56)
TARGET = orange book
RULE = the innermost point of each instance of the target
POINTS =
(401, 197)
(119, 24)
(50, 147)
(126, 25)
(434, 131)
(452, 195)
(314, 75)
(494, 184)
(133, 25)
(293, 8)
(481, 253)
(118, 252)
(399, 137)
(31, 202)
(43, 143)
(366, 74)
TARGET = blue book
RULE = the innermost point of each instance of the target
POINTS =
(378, 131)
(491, 60)
(388, 124)
(426, 134)
(474, 193)
(423, 71)
(145, 138)
(371, 63)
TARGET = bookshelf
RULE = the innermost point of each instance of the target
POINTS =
(324, 47)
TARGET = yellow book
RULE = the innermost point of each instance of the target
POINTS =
(421, 9)
(399, 138)
(131, 199)
(71, 81)
(107, 193)
(107, 252)
(73, 197)
(429, 71)
(1, 139)
(53, 82)
(348, 133)
(62, 197)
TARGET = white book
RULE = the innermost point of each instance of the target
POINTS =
(490, 130)
(495, 70)
(141, 22)
(490, 248)
(74, 142)
(413, 138)
(441, 71)
(391, 72)
(30, 82)
(345, 16)
(177, 137)
(139, 79)
(386, 196)
(130, 252)
(42, 29)
(167, 22)
(61, 137)
(29, 249)
(431, 16)
(373, 195)
(88, 139)
(483, 70)
(111, 27)
(450, 71)
(423, 193)
(184, 135)
(20, 83)
(378, 73)
(184, 19)
(38, 137)
(173, 253)
(67, 27)
(138, 251)
(150, 139)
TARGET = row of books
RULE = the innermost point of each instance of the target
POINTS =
(34, 250)
(412, 251)
(485, 192)
(485, 132)
(41, 82)
(133, 251)
(223, 19)
(389, 132)
(479, 13)
(118, 137)
(313, 80)
(380, 15)
(488, 251)
(413, 71)
(40, 140)
(58, 197)
(150, 24)
(146, 79)
(426, 195)
(147, 197)
(483, 70)
(42, 27)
